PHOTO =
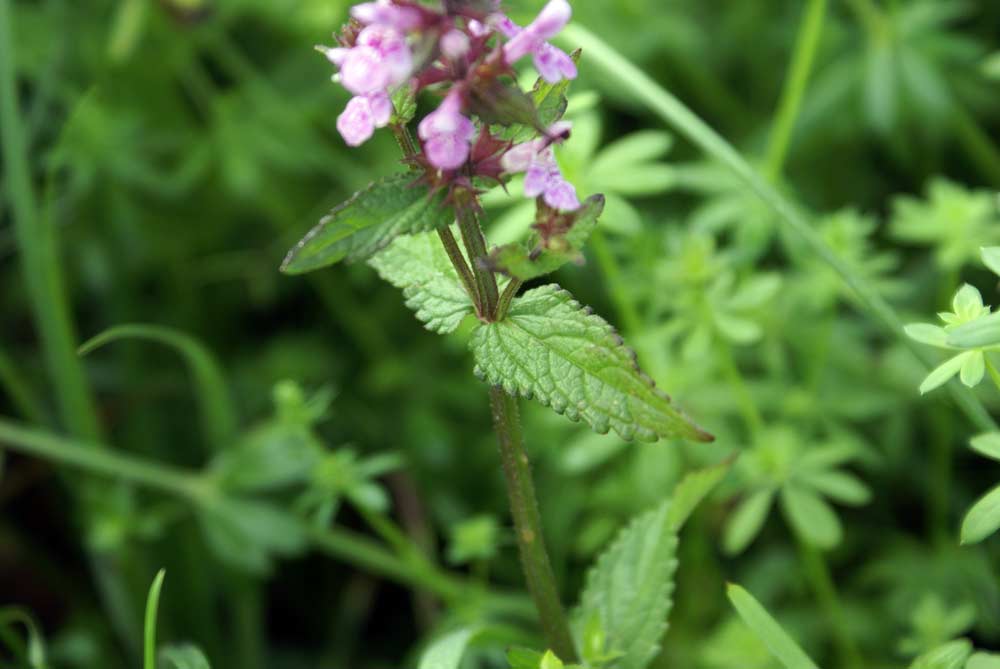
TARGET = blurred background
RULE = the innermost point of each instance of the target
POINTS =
(178, 148)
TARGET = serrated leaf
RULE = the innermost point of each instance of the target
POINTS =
(692, 489)
(767, 629)
(184, 656)
(367, 223)
(447, 652)
(551, 348)
(419, 266)
(630, 588)
(983, 519)
(530, 261)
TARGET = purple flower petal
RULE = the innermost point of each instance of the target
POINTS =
(560, 194)
(380, 105)
(363, 71)
(385, 13)
(551, 20)
(356, 124)
(392, 48)
(553, 64)
(446, 152)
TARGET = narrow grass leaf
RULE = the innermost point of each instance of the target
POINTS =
(782, 646)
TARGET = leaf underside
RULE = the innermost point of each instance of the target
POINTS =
(418, 265)
(367, 223)
(630, 588)
(553, 349)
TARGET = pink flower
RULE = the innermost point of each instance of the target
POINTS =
(454, 44)
(542, 175)
(552, 63)
(362, 115)
(447, 134)
(386, 13)
(381, 59)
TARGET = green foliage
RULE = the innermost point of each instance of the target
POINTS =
(367, 223)
(953, 220)
(553, 349)
(183, 656)
(629, 590)
(32, 653)
(768, 630)
(474, 540)
(418, 265)
(803, 477)
(447, 652)
(540, 257)
(951, 655)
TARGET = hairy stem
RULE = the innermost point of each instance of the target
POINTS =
(528, 524)
(458, 260)
(795, 87)
(475, 246)
(630, 79)
(507, 298)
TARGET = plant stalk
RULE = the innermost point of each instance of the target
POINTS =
(806, 47)
(818, 573)
(528, 524)
(458, 260)
(475, 246)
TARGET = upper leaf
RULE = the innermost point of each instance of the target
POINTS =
(419, 266)
(552, 348)
(692, 489)
(550, 104)
(629, 590)
(541, 257)
(367, 223)
(768, 630)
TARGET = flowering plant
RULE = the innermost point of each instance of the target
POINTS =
(541, 343)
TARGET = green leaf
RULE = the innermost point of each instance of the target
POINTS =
(983, 661)
(692, 489)
(550, 104)
(951, 655)
(925, 333)
(552, 348)
(839, 486)
(247, 534)
(629, 589)
(367, 222)
(218, 413)
(149, 628)
(811, 517)
(419, 266)
(632, 150)
(983, 519)
(987, 444)
(991, 258)
(523, 658)
(35, 652)
(447, 652)
(981, 332)
(768, 630)
(746, 522)
(184, 656)
(944, 373)
(527, 262)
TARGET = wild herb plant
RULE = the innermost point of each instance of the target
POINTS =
(173, 150)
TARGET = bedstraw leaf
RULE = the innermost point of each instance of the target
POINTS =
(552, 348)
